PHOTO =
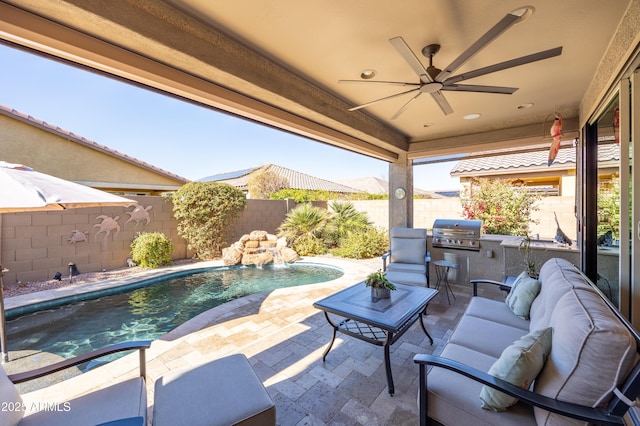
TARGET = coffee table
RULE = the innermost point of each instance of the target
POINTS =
(378, 321)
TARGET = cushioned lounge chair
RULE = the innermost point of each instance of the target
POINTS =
(120, 403)
(408, 257)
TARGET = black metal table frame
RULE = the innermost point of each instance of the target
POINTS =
(375, 335)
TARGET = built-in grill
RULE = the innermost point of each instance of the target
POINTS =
(457, 234)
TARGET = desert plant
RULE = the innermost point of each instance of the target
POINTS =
(205, 211)
(263, 183)
(503, 206)
(304, 220)
(343, 221)
(528, 256)
(363, 244)
(151, 249)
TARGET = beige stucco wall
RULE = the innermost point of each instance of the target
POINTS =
(52, 154)
(34, 246)
(426, 211)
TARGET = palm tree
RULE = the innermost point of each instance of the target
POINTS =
(343, 221)
(306, 220)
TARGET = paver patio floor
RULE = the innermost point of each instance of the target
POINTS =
(284, 338)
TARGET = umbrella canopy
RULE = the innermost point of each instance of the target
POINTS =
(24, 190)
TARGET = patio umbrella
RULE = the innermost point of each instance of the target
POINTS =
(22, 189)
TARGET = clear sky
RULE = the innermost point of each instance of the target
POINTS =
(188, 140)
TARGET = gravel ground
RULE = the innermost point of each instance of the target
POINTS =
(80, 279)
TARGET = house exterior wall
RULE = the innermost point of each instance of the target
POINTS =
(49, 153)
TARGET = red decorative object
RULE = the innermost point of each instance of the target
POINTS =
(616, 125)
(556, 133)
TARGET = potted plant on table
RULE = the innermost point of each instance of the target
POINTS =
(381, 287)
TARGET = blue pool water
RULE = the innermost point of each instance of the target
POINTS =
(150, 311)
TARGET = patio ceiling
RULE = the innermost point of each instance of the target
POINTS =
(279, 62)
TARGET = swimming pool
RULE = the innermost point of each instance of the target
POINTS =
(149, 309)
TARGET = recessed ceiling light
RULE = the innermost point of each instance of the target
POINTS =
(471, 116)
(367, 74)
(524, 13)
(525, 106)
(428, 124)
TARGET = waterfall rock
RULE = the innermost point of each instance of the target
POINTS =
(231, 255)
(258, 248)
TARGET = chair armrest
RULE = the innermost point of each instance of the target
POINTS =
(503, 286)
(575, 411)
(107, 350)
(384, 260)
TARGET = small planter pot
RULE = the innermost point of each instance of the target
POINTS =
(380, 293)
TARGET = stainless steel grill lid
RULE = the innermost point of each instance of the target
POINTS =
(457, 233)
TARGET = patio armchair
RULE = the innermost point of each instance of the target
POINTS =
(123, 403)
(408, 257)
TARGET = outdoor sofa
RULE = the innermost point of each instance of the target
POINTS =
(561, 356)
(126, 400)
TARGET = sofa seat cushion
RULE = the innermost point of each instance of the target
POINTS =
(408, 278)
(485, 336)
(519, 364)
(453, 398)
(495, 311)
(118, 401)
(591, 353)
(408, 267)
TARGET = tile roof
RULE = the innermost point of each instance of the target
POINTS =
(25, 118)
(297, 180)
(566, 159)
(374, 185)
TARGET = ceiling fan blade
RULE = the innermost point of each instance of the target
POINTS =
(504, 24)
(405, 51)
(381, 99)
(442, 102)
(405, 106)
(390, 83)
(478, 88)
(507, 64)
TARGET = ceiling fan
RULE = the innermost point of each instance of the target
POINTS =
(434, 81)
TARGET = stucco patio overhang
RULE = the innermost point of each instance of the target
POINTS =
(278, 63)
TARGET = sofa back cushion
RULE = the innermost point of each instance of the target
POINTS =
(557, 277)
(12, 406)
(591, 353)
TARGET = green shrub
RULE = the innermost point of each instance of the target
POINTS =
(308, 245)
(205, 212)
(151, 249)
(364, 244)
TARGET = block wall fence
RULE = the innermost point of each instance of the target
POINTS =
(34, 246)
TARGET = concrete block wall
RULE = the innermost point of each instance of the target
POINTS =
(426, 211)
(34, 246)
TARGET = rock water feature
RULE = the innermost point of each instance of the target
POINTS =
(259, 248)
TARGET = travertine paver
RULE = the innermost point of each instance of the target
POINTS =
(284, 338)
